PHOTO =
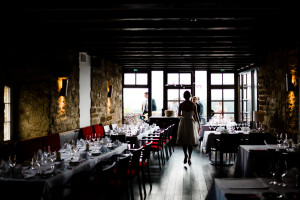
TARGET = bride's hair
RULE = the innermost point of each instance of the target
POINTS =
(187, 95)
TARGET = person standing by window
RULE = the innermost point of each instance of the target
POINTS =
(145, 104)
(196, 101)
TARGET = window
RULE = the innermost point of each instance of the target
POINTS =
(179, 79)
(7, 113)
(177, 84)
(222, 96)
(201, 92)
(135, 78)
(247, 95)
(157, 91)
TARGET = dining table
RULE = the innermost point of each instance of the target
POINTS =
(46, 180)
(243, 161)
(250, 189)
(209, 138)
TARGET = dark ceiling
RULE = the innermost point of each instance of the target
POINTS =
(208, 35)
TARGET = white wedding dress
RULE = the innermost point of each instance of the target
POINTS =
(187, 129)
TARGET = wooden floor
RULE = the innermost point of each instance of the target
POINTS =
(182, 181)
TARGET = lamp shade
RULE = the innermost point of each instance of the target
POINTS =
(258, 116)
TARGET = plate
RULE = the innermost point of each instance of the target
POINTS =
(293, 195)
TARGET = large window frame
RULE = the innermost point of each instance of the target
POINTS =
(248, 101)
(222, 87)
(7, 121)
(180, 86)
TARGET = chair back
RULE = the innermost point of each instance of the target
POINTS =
(229, 143)
(123, 166)
(263, 162)
(98, 130)
(256, 138)
(87, 132)
(146, 151)
(290, 159)
(135, 158)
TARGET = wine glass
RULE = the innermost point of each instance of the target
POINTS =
(12, 160)
(283, 175)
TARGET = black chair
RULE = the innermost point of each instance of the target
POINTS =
(263, 162)
(227, 144)
(256, 138)
(145, 165)
(170, 138)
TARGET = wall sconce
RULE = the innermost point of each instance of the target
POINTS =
(63, 86)
(289, 82)
(109, 91)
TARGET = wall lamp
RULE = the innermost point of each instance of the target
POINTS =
(63, 86)
(109, 90)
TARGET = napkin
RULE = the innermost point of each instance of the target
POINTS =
(219, 129)
(245, 129)
(104, 149)
(224, 131)
(117, 143)
(4, 166)
(254, 131)
(29, 173)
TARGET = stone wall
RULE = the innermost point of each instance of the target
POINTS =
(103, 109)
(33, 75)
(281, 106)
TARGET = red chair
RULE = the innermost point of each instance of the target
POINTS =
(26, 148)
(87, 132)
(53, 141)
(98, 129)
(157, 146)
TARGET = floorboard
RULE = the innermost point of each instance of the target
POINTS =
(179, 181)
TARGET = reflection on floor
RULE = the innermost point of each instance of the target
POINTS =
(182, 181)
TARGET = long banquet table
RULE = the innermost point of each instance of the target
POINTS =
(48, 186)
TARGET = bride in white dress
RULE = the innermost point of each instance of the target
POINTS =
(188, 127)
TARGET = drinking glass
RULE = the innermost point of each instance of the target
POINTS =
(283, 175)
(12, 161)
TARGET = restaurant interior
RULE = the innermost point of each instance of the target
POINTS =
(76, 80)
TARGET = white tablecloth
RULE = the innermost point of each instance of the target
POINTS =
(257, 186)
(62, 178)
(243, 163)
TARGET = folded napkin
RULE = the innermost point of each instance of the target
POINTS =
(104, 149)
(224, 131)
(245, 129)
(254, 131)
(29, 173)
(117, 143)
(219, 129)
(4, 166)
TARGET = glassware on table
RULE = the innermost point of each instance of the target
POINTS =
(12, 160)
(283, 175)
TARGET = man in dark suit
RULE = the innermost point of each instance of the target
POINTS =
(145, 104)
(199, 106)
